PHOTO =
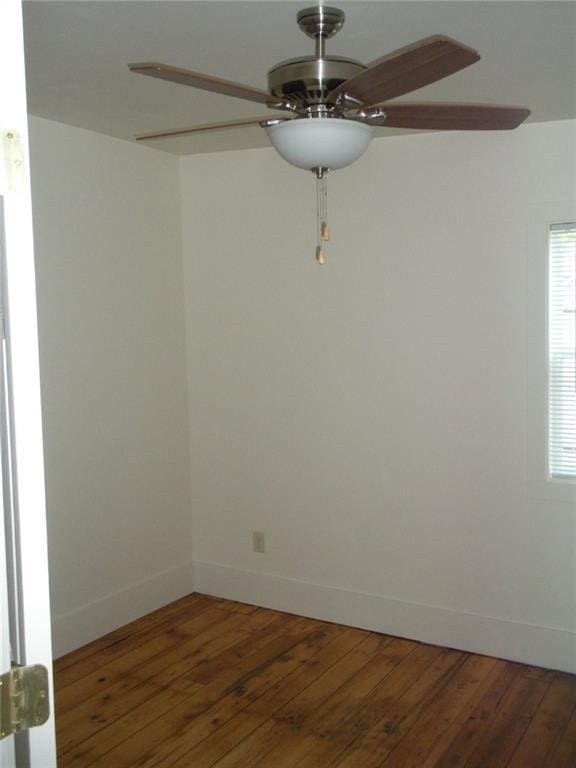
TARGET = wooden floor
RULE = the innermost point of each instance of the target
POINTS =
(207, 682)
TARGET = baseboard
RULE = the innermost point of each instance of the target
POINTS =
(549, 647)
(84, 624)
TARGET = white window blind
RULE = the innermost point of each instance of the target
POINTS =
(562, 351)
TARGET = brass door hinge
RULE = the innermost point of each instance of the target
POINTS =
(12, 169)
(24, 701)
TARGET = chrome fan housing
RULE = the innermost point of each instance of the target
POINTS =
(307, 81)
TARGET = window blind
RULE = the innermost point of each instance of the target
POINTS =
(562, 351)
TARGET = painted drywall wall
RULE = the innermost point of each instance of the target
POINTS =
(109, 273)
(371, 417)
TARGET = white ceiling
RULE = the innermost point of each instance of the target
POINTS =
(76, 54)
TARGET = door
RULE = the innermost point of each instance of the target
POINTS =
(25, 610)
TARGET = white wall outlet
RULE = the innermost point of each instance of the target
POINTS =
(258, 542)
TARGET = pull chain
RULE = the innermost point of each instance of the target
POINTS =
(322, 229)
(325, 227)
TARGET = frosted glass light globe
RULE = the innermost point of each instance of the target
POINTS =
(322, 142)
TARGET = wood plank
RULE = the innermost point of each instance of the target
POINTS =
(294, 714)
(123, 691)
(370, 708)
(547, 725)
(449, 711)
(503, 735)
(255, 668)
(246, 722)
(157, 646)
(375, 744)
(209, 683)
(132, 629)
(564, 756)
(466, 734)
(126, 644)
(418, 744)
(123, 715)
(538, 673)
(325, 734)
(337, 721)
(358, 722)
(233, 607)
(210, 670)
(239, 695)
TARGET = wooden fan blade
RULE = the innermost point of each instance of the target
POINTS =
(199, 80)
(454, 117)
(407, 69)
(209, 127)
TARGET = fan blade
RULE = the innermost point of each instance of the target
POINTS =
(198, 80)
(454, 117)
(209, 127)
(407, 69)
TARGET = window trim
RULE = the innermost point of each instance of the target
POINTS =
(558, 476)
(539, 482)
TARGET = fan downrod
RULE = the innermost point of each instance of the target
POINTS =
(320, 23)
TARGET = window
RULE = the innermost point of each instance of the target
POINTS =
(562, 352)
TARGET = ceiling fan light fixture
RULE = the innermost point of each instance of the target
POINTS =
(325, 142)
(337, 101)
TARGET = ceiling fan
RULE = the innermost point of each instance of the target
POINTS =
(327, 106)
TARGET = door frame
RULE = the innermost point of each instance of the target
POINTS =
(27, 577)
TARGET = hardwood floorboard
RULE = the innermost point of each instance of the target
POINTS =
(415, 748)
(122, 687)
(245, 723)
(163, 645)
(290, 718)
(374, 746)
(210, 683)
(237, 697)
(122, 641)
(464, 737)
(564, 756)
(548, 723)
(148, 746)
(504, 733)
(381, 700)
(320, 735)
(177, 690)
(131, 630)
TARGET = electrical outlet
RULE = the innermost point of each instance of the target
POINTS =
(258, 543)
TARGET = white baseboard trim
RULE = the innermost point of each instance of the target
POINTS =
(84, 624)
(550, 647)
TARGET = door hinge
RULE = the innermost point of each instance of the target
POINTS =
(12, 170)
(24, 700)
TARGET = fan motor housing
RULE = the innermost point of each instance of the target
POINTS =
(307, 81)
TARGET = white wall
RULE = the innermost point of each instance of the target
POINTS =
(109, 272)
(371, 416)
